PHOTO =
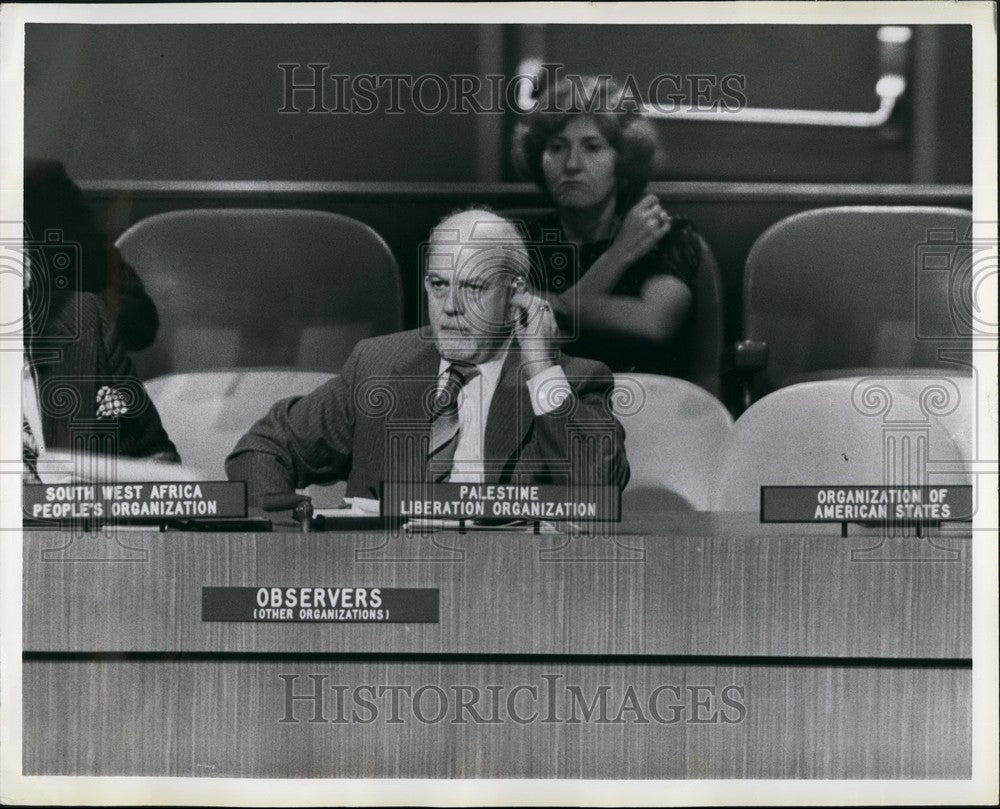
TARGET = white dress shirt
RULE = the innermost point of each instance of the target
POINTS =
(546, 390)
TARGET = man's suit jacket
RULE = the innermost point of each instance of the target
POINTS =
(371, 424)
(88, 393)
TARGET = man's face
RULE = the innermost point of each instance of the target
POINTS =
(469, 288)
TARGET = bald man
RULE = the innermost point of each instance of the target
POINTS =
(482, 394)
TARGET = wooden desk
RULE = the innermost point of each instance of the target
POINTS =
(764, 651)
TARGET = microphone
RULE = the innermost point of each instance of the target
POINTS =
(300, 504)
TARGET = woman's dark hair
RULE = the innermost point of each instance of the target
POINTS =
(601, 99)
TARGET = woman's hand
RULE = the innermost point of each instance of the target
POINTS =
(642, 228)
(590, 306)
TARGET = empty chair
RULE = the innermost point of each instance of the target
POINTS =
(674, 432)
(205, 413)
(252, 288)
(840, 291)
(865, 431)
(706, 337)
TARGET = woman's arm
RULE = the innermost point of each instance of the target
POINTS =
(645, 224)
(664, 300)
(654, 316)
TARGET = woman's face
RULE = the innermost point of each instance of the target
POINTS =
(579, 165)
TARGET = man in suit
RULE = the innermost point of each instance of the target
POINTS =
(482, 395)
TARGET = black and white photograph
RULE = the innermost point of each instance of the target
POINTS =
(483, 404)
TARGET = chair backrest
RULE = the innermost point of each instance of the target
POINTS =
(245, 287)
(707, 338)
(205, 413)
(705, 349)
(859, 287)
(674, 432)
(853, 431)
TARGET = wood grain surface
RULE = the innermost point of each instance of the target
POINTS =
(733, 589)
(224, 719)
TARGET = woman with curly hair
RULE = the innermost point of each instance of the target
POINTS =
(629, 297)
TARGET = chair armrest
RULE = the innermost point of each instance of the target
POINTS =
(749, 355)
(742, 363)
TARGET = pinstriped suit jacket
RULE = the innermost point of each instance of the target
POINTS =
(372, 422)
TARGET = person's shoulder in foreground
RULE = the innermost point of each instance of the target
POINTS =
(77, 357)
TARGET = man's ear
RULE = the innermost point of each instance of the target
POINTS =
(513, 310)
(517, 286)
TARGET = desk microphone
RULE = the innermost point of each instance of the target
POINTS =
(300, 504)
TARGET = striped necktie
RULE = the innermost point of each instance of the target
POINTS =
(444, 421)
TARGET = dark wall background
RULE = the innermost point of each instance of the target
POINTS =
(798, 67)
(200, 102)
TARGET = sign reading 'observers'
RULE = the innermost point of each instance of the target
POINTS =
(865, 503)
(136, 502)
(351, 605)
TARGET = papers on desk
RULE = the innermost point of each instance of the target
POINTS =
(354, 514)
(418, 526)
(352, 507)
(61, 467)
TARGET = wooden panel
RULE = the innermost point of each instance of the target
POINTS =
(224, 719)
(703, 589)
(510, 195)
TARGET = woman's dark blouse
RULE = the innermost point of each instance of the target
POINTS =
(678, 254)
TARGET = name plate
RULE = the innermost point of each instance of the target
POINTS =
(136, 502)
(496, 501)
(345, 605)
(865, 503)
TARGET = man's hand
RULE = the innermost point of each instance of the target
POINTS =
(535, 330)
(643, 227)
